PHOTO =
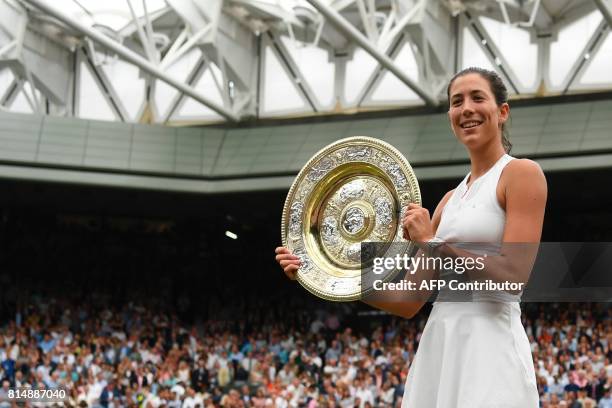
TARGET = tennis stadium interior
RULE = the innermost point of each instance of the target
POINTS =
(147, 147)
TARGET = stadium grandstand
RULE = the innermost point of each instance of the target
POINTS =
(146, 150)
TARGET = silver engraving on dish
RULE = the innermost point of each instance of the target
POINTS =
(396, 173)
(353, 252)
(354, 220)
(357, 152)
(305, 262)
(329, 231)
(382, 208)
(320, 169)
(353, 190)
(295, 219)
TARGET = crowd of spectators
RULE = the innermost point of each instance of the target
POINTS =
(127, 355)
(157, 341)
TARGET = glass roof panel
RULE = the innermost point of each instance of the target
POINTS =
(571, 40)
(7, 34)
(164, 93)
(316, 68)
(73, 9)
(515, 45)
(6, 79)
(390, 87)
(111, 13)
(392, 90)
(599, 70)
(358, 71)
(473, 55)
(125, 80)
(205, 85)
(21, 104)
(280, 93)
(92, 104)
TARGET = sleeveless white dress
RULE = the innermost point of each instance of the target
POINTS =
(473, 354)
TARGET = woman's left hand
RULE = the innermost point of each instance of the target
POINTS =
(417, 224)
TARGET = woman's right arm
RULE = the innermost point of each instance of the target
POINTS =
(394, 302)
(403, 303)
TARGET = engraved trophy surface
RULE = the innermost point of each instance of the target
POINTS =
(351, 192)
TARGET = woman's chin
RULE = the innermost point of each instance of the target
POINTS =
(470, 141)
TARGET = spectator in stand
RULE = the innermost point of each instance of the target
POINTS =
(4, 394)
(606, 400)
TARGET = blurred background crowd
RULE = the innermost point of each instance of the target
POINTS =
(152, 314)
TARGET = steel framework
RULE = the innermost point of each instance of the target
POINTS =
(202, 62)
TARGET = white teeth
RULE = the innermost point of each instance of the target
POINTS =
(470, 124)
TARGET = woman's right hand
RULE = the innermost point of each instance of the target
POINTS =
(289, 262)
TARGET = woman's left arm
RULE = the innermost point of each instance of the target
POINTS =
(525, 198)
(524, 193)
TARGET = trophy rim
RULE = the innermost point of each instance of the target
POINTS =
(351, 140)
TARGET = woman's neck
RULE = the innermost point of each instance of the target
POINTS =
(482, 160)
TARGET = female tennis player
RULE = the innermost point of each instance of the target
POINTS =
(474, 354)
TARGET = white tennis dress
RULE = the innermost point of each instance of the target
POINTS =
(473, 354)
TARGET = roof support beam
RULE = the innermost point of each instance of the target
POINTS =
(588, 52)
(377, 74)
(11, 93)
(606, 10)
(293, 71)
(133, 58)
(30, 100)
(388, 36)
(7, 48)
(192, 78)
(177, 52)
(352, 33)
(35, 102)
(493, 53)
(106, 88)
(146, 42)
(367, 18)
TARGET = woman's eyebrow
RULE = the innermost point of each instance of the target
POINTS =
(476, 91)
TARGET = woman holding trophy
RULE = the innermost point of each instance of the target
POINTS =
(473, 354)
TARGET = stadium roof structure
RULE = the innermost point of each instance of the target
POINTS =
(185, 62)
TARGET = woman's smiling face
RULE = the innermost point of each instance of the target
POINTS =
(475, 117)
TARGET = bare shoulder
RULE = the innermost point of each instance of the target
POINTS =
(445, 199)
(522, 179)
(521, 168)
(523, 198)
